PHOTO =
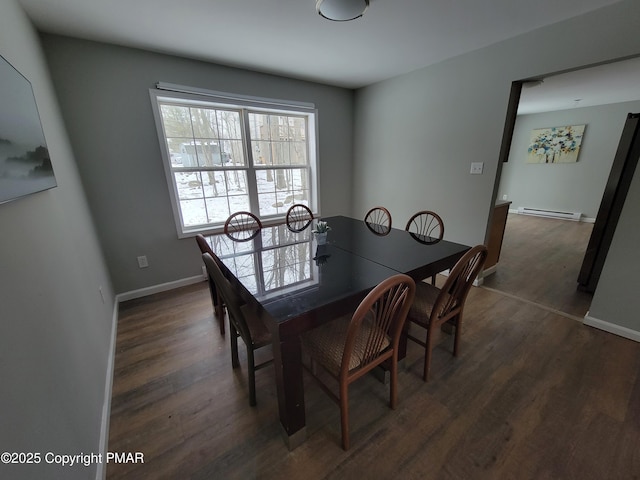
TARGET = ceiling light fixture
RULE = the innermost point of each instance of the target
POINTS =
(341, 10)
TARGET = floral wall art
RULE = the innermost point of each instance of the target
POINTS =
(555, 144)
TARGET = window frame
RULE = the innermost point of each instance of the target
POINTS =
(193, 97)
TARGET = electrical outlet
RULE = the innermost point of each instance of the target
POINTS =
(504, 197)
(142, 261)
(476, 168)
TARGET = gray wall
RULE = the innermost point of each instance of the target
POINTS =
(570, 187)
(417, 134)
(615, 302)
(55, 331)
(104, 96)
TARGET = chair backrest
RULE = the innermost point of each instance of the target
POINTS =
(454, 292)
(299, 217)
(229, 295)
(242, 226)
(427, 224)
(378, 219)
(377, 323)
(203, 244)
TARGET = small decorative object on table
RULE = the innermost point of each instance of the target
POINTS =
(321, 230)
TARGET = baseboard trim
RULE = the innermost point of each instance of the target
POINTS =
(582, 219)
(163, 287)
(476, 283)
(489, 271)
(611, 328)
(101, 471)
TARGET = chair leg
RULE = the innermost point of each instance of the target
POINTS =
(427, 354)
(393, 400)
(456, 338)
(219, 309)
(433, 280)
(344, 413)
(252, 377)
(235, 362)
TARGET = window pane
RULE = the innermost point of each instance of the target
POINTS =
(229, 124)
(201, 153)
(238, 191)
(278, 139)
(205, 123)
(261, 153)
(214, 184)
(236, 182)
(217, 209)
(232, 153)
(280, 153)
(193, 212)
(299, 153)
(280, 188)
(259, 126)
(189, 185)
(176, 121)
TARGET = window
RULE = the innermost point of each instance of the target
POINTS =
(224, 155)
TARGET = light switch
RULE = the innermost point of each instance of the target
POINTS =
(476, 168)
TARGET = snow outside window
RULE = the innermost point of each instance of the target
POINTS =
(221, 158)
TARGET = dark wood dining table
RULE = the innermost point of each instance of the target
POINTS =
(298, 285)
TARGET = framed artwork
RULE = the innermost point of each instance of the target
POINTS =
(555, 144)
(25, 166)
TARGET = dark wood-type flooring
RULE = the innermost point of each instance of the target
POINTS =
(533, 395)
(540, 261)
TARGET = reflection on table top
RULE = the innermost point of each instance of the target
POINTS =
(413, 254)
(290, 275)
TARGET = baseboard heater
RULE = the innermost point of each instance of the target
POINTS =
(575, 216)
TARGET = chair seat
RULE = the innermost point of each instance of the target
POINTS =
(260, 335)
(326, 344)
(423, 302)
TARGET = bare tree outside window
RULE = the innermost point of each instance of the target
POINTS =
(224, 159)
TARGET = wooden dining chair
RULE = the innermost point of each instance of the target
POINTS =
(242, 226)
(378, 219)
(216, 298)
(350, 346)
(244, 322)
(299, 217)
(434, 307)
(428, 228)
(427, 224)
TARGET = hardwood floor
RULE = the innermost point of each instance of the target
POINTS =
(533, 394)
(540, 261)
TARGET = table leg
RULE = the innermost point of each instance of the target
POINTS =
(287, 354)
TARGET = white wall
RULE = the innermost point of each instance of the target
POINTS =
(417, 134)
(566, 187)
(55, 331)
(104, 96)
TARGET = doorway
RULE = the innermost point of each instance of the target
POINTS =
(542, 257)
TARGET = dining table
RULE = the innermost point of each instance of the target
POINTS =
(298, 285)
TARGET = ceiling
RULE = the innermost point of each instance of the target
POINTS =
(288, 37)
(611, 83)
